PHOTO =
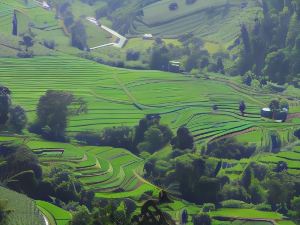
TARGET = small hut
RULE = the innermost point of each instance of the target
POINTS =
(279, 116)
(266, 112)
(174, 66)
(147, 36)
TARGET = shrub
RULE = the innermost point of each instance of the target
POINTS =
(173, 6)
(49, 44)
(189, 2)
(202, 219)
(132, 55)
(207, 207)
(88, 138)
(25, 54)
(232, 203)
(263, 207)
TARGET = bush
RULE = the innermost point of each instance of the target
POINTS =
(263, 207)
(88, 138)
(189, 2)
(229, 148)
(132, 55)
(25, 54)
(232, 203)
(173, 6)
(49, 44)
(202, 219)
(208, 207)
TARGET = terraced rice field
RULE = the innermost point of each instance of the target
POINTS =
(54, 214)
(216, 20)
(118, 97)
(109, 172)
(292, 158)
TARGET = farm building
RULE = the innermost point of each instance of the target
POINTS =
(46, 6)
(278, 116)
(174, 66)
(266, 112)
(147, 36)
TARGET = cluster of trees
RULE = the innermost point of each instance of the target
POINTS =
(197, 58)
(12, 117)
(271, 47)
(229, 148)
(73, 26)
(21, 170)
(148, 136)
(52, 113)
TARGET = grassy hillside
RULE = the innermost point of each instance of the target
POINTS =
(45, 26)
(216, 20)
(24, 209)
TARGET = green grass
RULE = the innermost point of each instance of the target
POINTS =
(60, 216)
(246, 213)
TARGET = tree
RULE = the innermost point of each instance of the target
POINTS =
(4, 212)
(154, 138)
(280, 190)
(277, 67)
(183, 140)
(5, 103)
(184, 217)
(296, 206)
(281, 166)
(17, 118)
(78, 36)
(159, 59)
(82, 216)
(274, 106)
(27, 40)
(202, 219)
(52, 112)
(15, 25)
(220, 65)
(242, 107)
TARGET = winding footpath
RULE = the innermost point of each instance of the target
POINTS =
(121, 40)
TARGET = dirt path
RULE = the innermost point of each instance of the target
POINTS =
(292, 116)
(121, 40)
(230, 135)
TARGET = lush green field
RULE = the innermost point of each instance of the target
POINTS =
(24, 210)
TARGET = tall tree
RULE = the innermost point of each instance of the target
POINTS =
(242, 107)
(15, 24)
(79, 37)
(53, 110)
(17, 118)
(5, 103)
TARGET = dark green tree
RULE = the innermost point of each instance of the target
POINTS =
(52, 112)
(5, 103)
(183, 140)
(78, 36)
(17, 118)
(202, 219)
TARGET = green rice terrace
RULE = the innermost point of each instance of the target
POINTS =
(122, 97)
(216, 20)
